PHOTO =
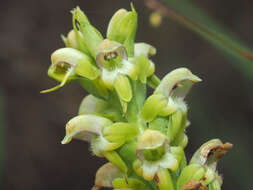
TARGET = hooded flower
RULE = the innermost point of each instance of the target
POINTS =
(202, 167)
(153, 152)
(169, 96)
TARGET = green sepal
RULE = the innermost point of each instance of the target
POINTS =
(192, 171)
(141, 68)
(135, 105)
(215, 185)
(116, 160)
(178, 152)
(129, 183)
(123, 88)
(176, 125)
(128, 152)
(120, 132)
(90, 35)
(160, 124)
(152, 107)
(164, 180)
(153, 81)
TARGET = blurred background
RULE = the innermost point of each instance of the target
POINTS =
(32, 124)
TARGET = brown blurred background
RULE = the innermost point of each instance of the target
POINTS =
(32, 125)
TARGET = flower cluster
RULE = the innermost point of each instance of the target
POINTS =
(142, 138)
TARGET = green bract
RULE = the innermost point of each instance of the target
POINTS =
(143, 138)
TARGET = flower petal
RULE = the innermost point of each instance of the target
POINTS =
(106, 174)
(169, 161)
(84, 127)
(90, 104)
(144, 48)
(177, 83)
(210, 153)
(149, 170)
(120, 132)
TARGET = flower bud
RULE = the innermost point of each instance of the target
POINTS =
(70, 40)
(90, 36)
(122, 28)
(115, 159)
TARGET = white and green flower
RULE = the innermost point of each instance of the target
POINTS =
(154, 152)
